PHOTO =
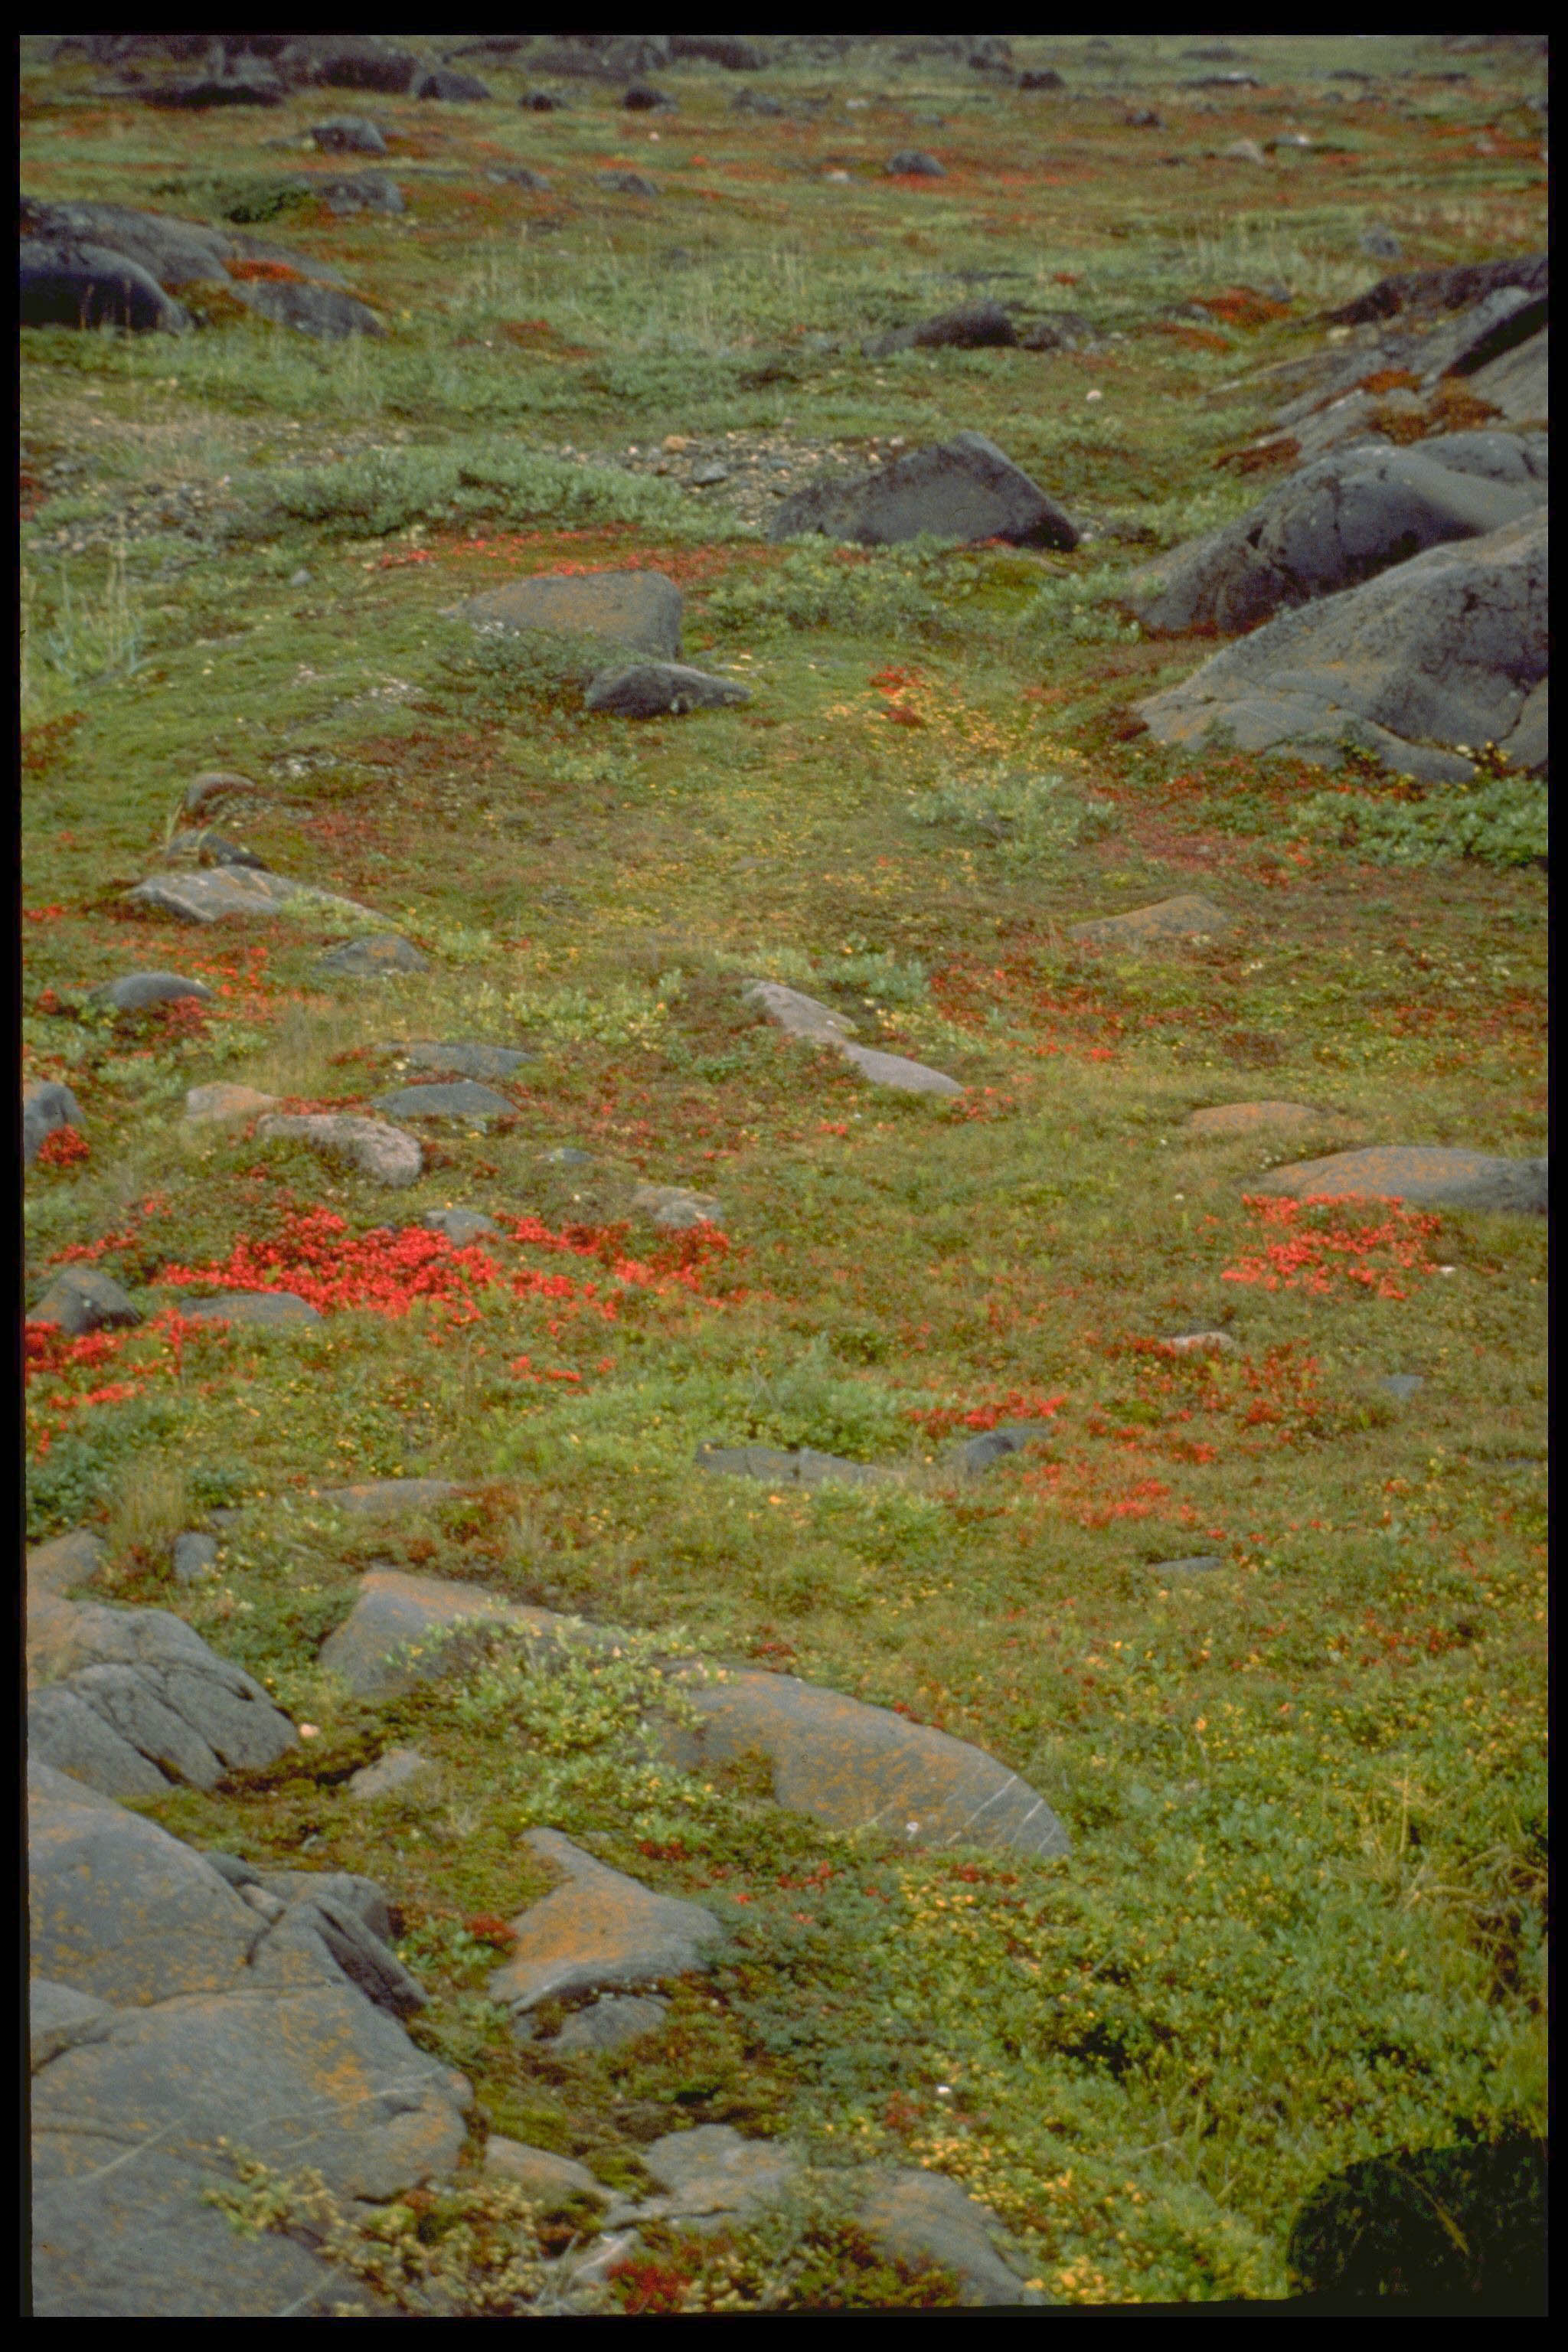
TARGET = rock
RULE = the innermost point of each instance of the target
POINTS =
(1403, 1385)
(801, 1016)
(391, 1497)
(255, 87)
(567, 1157)
(178, 1690)
(46, 1107)
(914, 163)
(1326, 528)
(1185, 918)
(993, 1444)
(383, 1153)
(82, 1298)
(600, 1929)
(194, 1557)
(1243, 151)
(1518, 384)
(550, 2180)
(519, 175)
(319, 310)
(978, 326)
(73, 1559)
(355, 1947)
(172, 252)
(624, 183)
(1527, 745)
(1142, 118)
(640, 609)
(918, 2216)
(87, 285)
(139, 989)
(400, 1630)
(964, 488)
(1198, 1565)
(398, 1769)
(1199, 1343)
(348, 134)
(608, 2023)
(1380, 243)
(65, 1732)
(855, 1767)
(382, 955)
(453, 88)
(1042, 78)
(1424, 1175)
(462, 1227)
(712, 2169)
(267, 1310)
(209, 896)
(348, 61)
(643, 99)
(59, 2018)
(211, 849)
(1442, 650)
(1246, 1118)
(895, 1070)
(462, 1061)
(709, 474)
(1454, 288)
(756, 101)
(541, 102)
(358, 192)
(652, 689)
(675, 1209)
(805, 1468)
(222, 1104)
(461, 1098)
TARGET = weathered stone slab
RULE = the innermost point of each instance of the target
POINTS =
(552, 2180)
(375, 959)
(642, 609)
(858, 1767)
(804, 1467)
(395, 1634)
(964, 488)
(895, 1070)
(712, 2169)
(600, 1929)
(224, 1706)
(380, 1151)
(459, 1098)
(658, 690)
(801, 1016)
(209, 895)
(83, 1299)
(918, 2215)
(1428, 1176)
(1225, 1119)
(269, 1310)
(1185, 918)
(608, 2023)
(672, 1206)
(67, 1733)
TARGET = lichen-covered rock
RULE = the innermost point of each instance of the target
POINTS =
(383, 1152)
(1428, 1176)
(601, 1928)
(1188, 916)
(964, 488)
(404, 1628)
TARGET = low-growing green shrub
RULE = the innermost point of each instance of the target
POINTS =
(387, 489)
(862, 593)
(1029, 820)
(1500, 819)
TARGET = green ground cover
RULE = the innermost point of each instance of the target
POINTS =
(1303, 1920)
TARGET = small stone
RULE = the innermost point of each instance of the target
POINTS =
(1403, 1385)
(993, 1444)
(599, 1929)
(707, 474)
(551, 2180)
(462, 1227)
(220, 1104)
(261, 1309)
(609, 2023)
(300, 579)
(462, 1098)
(379, 956)
(652, 689)
(82, 1298)
(674, 1208)
(390, 1774)
(1198, 1565)
(194, 1557)
(1380, 243)
(805, 1467)
(624, 183)
(1188, 916)
(913, 163)
(712, 2169)
(391, 1497)
(519, 175)
(1199, 1343)
(383, 1152)
(569, 1157)
(896, 1071)
(139, 989)
(348, 134)
(1245, 150)
(1246, 1118)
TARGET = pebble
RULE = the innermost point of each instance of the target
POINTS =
(194, 1557)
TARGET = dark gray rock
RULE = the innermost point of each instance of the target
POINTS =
(459, 1099)
(89, 286)
(802, 1467)
(731, 50)
(993, 1444)
(82, 1298)
(1063, 331)
(172, 1674)
(462, 1227)
(608, 2023)
(127, 1702)
(1380, 243)
(518, 175)
(541, 102)
(1435, 291)
(317, 311)
(59, 2018)
(463, 1061)
(1041, 77)
(964, 488)
(626, 184)
(196, 93)
(139, 989)
(977, 326)
(638, 609)
(398, 1769)
(1441, 651)
(46, 1106)
(267, 1310)
(757, 101)
(643, 99)
(348, 134)
(364, 1956)
(709, 474)
(379, 956)
(172, 252)
(360, 191)
(1527, 746)
(213, 849)
(653, 690)
(70, 1736)
(348, 61)
(1336, 523)
(1403, 1385)
(914, 163)
(453, 88)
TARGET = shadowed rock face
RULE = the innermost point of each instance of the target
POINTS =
(1428, 1176)
(641, 609)
(652, 689)
(963, 489)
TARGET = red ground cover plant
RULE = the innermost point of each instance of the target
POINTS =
(644, 2287)
(1016, 1404)
(64, 1370)
(1315, 1252)
(63, 1147)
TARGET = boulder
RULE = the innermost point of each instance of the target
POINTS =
(1440, 651)
(349, 61)
(918, 2216)
(383, 1153)
(360, 192)
(138, 990)
(1435, 290)
(463, 1226)
(252, 85)
(46, 1107)
(221, 1104)
(977, 326)
(656, 689)
(59, 2018)
(519, 175)
(608, 2023)
(381, 956)
(207, 896)
(82, 1298)
(460, 1099)
(712, 2169)
(319, 310)
(674, 1208)
(639, 609)
(731, 50)
(172, 252)
(858, 1767)
(1518, 384)
(802, 1467)
(817, 1024)
(914, 163)
(1329, 527)
(963, 489)
(599, 1929)
(1527, 744)
(1185, 918)
(348, 134)
(399, 1770)
(643, 99)
(402, 1627)
(88, 286)
(978, 1454)
(154, 1682)
(215, 784)
(550, 2180)
(453, 88)
(626, 184)
(895, 1070)
(1424, 1175)
(463, 1061)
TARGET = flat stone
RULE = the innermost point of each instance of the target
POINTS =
(210, 895)
(853, 1766)
(216, 784)
(805, 1468)
(551, 2180)
(386, 1645)
(640, 609)
(81, 1298)
(46, 1106)
(383, 1152)
(1403, 1385)
(712, 2169)
(923, 2216)
(608, 2023)
(1188, 916)
(1011, 1437)
(267, 1310)
(462, 1227)
(461, 1098)
(894, 1070)
(1428, 1176)
(626, 184)
(390, 1774)
(1199, 1564)
(1248, 1119)
(463, 1061)
(222, 1104)
(390, 1498)
(139, 989)
(654, 690)
(59, 2018)
(1199, 1343)
(675, 1209)
(375, 957)
(800, 1016)
(913, 163)
(64, 1561)
(600, 1929)
(194, 1557)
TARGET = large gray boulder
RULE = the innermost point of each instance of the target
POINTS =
(1440, 652)
(965, 487)
(83, 284)
(46, 1105)
(1339, 522)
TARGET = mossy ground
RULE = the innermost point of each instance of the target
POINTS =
(1303, 1921)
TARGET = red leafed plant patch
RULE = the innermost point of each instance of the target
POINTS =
(1239, 306)
(63, 1147)
(276, 273)
(1314, 1252)
(489, 1929)
(1018, 1404)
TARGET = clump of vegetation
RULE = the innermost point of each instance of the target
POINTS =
(388, 489)
(1028, 820)
(861, 592)
(1498, 818)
